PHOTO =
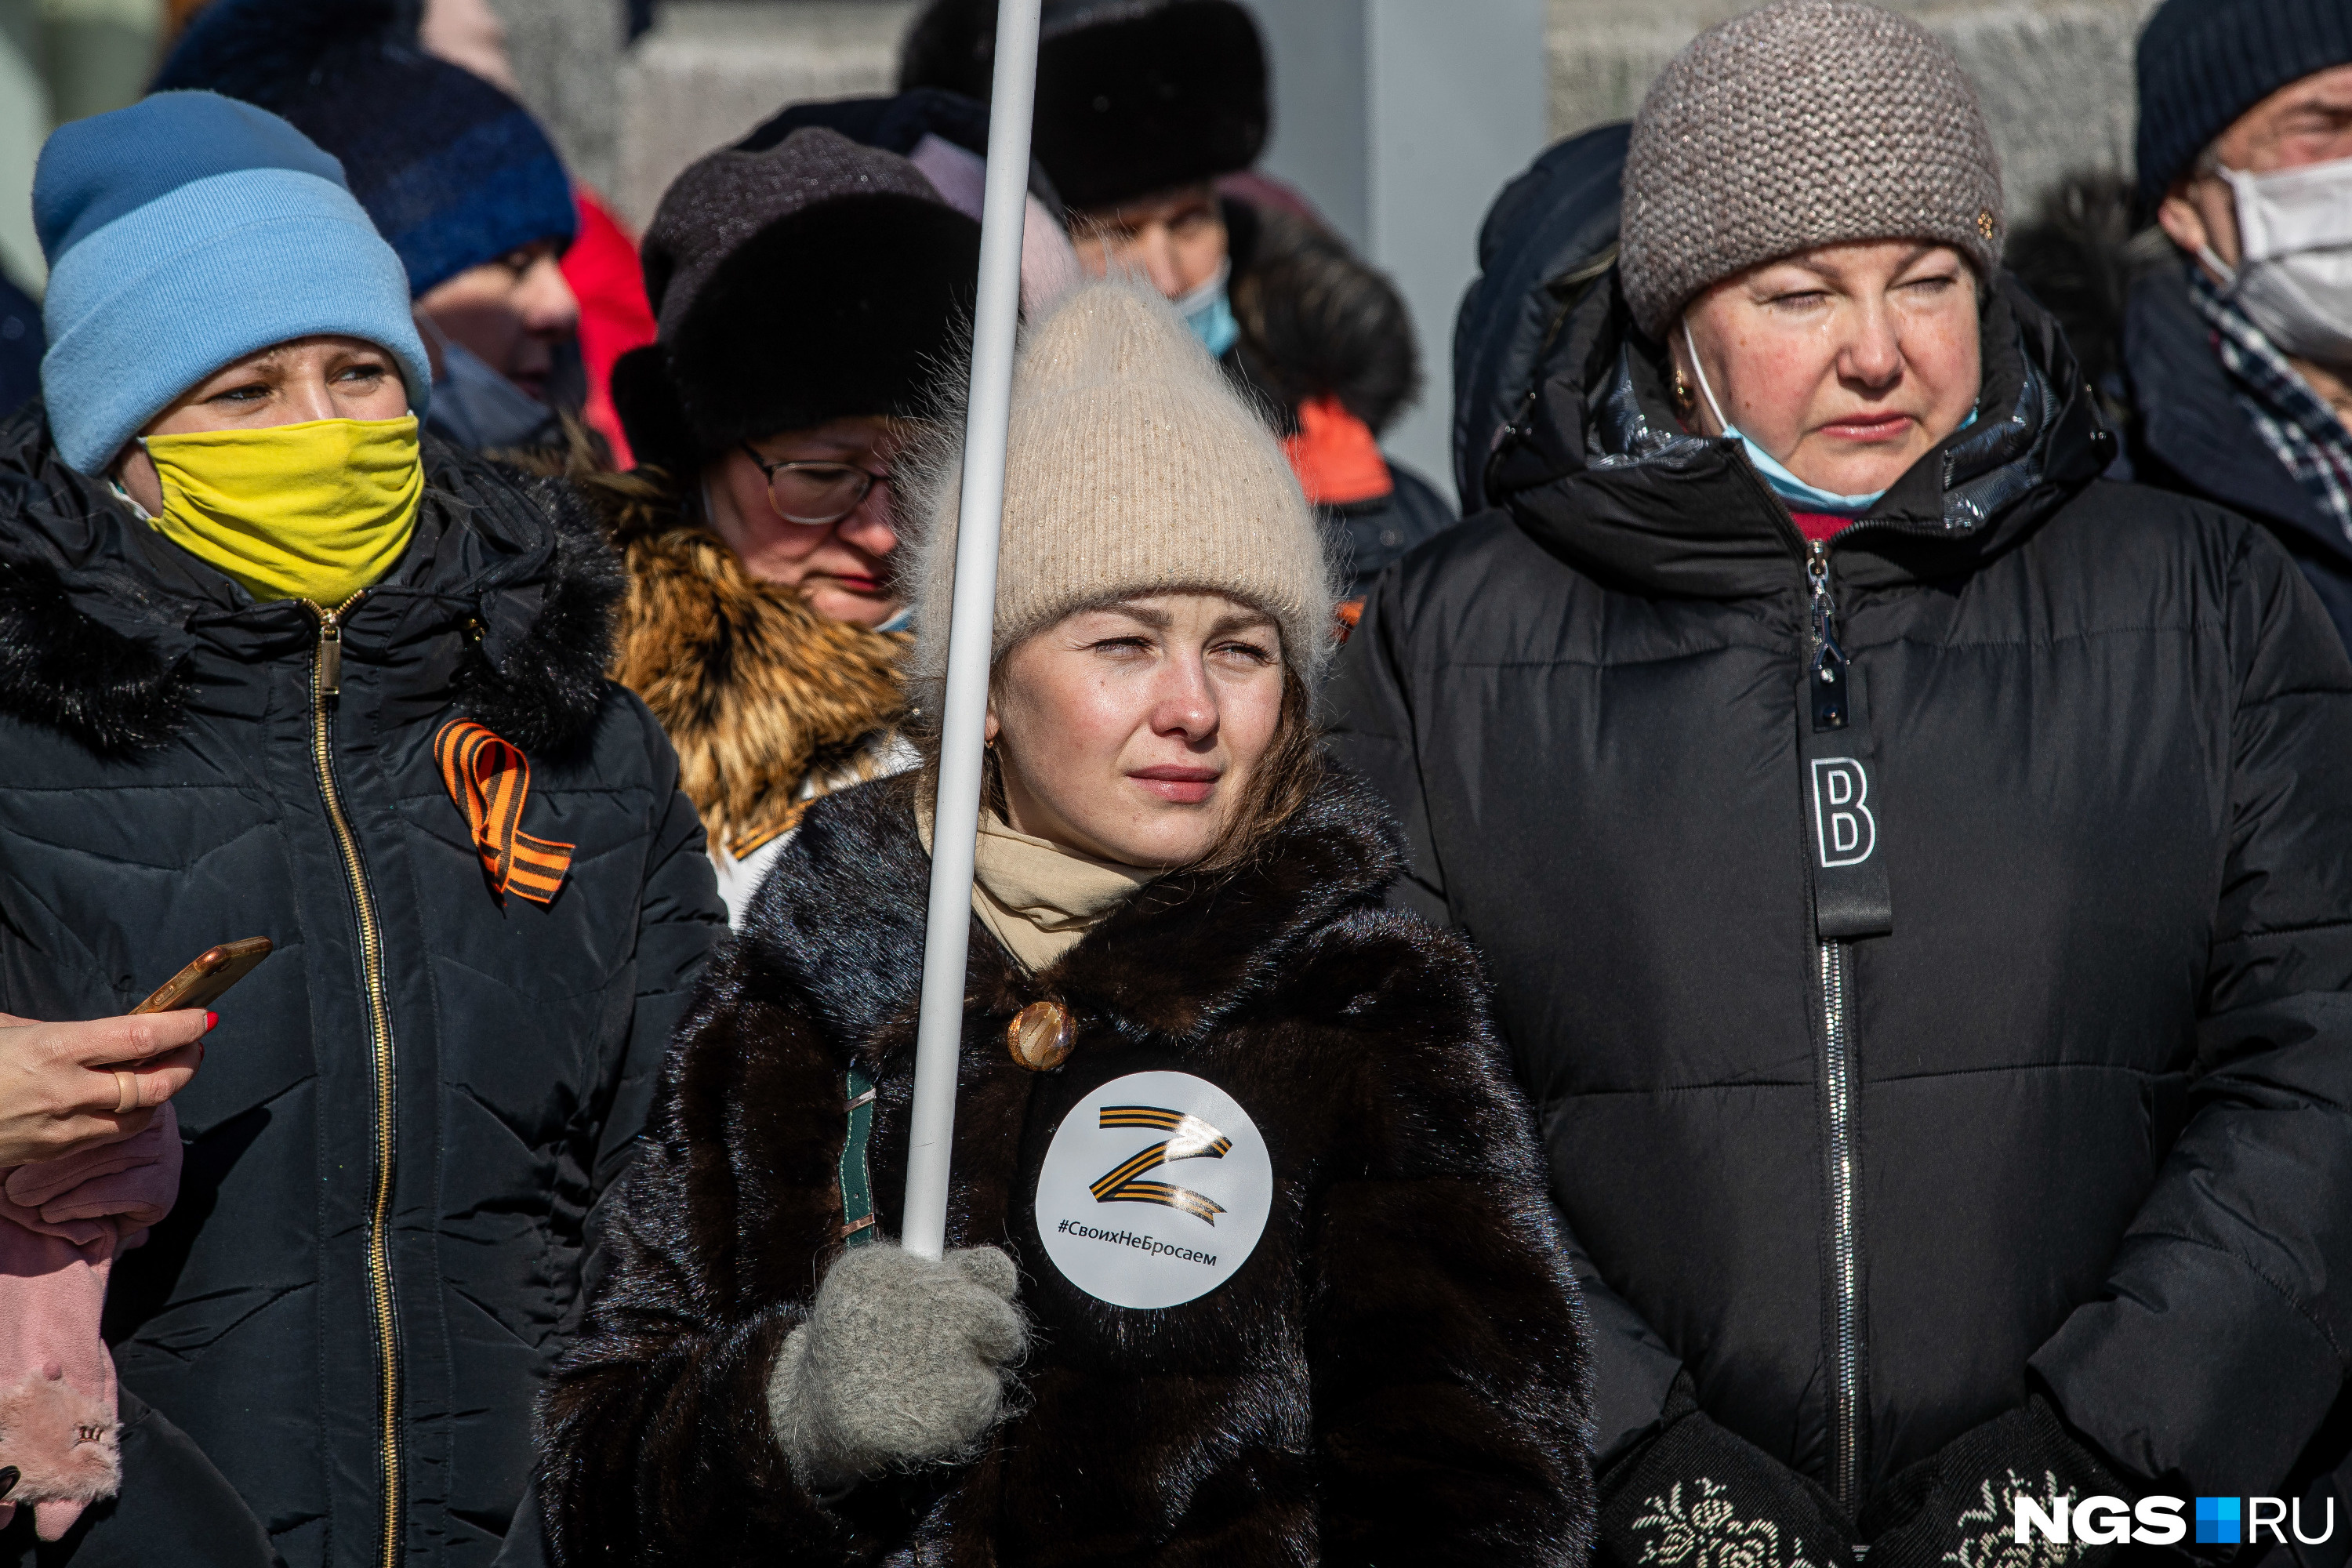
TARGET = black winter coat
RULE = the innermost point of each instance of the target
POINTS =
(1366, 538)
(1396, 1374)
(420, 1062)
(2079, 1120)
(2189, 435)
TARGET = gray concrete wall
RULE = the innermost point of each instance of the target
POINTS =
(567, 59)
(711, 70)
(23, 124)
(2055, 75)
(60, 60)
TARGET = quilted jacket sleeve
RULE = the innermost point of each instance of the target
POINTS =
(1372, 700)
(1446, 1344)
(1373, 704)
(679, 919)
(2222, 1341)
(654, 1427)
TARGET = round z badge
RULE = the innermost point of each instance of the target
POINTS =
(1155, 1190)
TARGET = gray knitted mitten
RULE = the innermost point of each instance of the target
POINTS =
(900, 1362)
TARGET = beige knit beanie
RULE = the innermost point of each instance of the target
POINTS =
(1133, 468)
(1807, 122)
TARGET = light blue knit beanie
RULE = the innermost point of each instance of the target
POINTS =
(183, 233)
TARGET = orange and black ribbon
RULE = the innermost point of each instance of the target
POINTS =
(490, 780)
(1194, 1140)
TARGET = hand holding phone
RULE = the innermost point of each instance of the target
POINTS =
(68, 1087)
(71, 1086)
(208, 976)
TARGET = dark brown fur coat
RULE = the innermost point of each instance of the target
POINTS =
(1397, 1374)
(756, 689)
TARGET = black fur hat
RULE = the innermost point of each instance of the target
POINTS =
(805, 283)
(1133, 96)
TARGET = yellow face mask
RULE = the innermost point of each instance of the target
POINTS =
(316, 510)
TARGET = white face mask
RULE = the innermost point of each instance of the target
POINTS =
(2293, 279)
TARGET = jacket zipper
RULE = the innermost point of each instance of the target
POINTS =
(1846, 1306)
(326, 683)
(1827, 665)
(1827, 685)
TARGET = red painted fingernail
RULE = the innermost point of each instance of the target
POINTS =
(212, 1022)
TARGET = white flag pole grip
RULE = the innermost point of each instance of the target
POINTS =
(939, 1032)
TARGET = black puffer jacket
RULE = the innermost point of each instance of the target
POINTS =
(2092, 1084)
(163, 768)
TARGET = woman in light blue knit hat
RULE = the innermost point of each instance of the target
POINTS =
(275, 663)
(210, 271)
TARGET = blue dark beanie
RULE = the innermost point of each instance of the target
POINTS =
(185, 232)
(2202, 63)
(454, 173)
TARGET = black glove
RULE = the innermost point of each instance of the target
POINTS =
(1696, 1495)
(1956, 1506)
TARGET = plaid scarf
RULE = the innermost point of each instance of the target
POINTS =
(2301, 430)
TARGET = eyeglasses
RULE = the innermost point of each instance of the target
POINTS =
(815, 493)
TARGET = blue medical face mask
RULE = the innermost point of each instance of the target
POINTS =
(475, 407)
(1801, 496)
(1209, 313)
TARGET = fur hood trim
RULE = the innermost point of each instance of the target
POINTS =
(756, 689)
(95, 645)
(64, 670)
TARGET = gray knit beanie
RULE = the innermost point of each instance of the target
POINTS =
(1808, 122)
(1131, 468)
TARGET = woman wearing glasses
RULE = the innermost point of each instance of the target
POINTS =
(805, 294)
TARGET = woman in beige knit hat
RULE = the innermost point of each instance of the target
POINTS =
(1250, 1258)
(1914, 867)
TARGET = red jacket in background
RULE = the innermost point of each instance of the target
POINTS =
(614, 317)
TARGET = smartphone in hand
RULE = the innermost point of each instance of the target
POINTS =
(208, 976)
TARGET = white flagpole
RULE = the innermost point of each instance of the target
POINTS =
(939, 1032)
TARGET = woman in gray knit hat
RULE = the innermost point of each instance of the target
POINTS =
(1915, 870)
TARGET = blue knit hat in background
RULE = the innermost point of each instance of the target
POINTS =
(183, 233)
(454, 173)
(2202, 63)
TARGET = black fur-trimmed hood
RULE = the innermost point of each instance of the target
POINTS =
(104, 630)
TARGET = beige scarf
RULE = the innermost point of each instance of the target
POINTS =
(1036, 898)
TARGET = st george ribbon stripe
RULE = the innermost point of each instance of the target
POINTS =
(1195, 1139)
(490, 779)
